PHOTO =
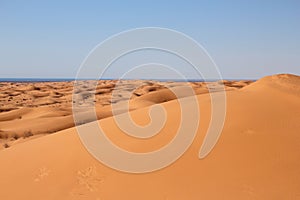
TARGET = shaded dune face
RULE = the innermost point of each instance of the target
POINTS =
(256, 157)
(37, 109)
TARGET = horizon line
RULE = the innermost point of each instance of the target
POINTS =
(145, 79)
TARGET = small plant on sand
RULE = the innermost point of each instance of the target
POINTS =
(15, 136)
(27, 134)
(5, 145)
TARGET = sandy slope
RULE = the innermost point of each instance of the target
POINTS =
(257, 156)
(28, 109)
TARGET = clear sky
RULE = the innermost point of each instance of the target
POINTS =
(246, 39)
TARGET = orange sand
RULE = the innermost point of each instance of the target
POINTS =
(256, 157)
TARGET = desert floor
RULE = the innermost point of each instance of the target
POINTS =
(256, 157)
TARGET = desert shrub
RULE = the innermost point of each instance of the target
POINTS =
(5, 145)
(15, 136)
(27, 134)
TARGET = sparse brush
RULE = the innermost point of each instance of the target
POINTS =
(27, 134)
(15, 136)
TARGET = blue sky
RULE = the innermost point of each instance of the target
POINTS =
(246, 39)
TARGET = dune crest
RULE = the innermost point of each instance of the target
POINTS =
(28, 109)
(287, 83)
(256, 157)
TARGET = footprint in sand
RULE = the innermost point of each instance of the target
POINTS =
(87, 181)
(42, 173)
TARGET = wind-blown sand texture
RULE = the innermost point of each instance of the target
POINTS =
(256, 157)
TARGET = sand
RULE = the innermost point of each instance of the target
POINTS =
(257, 155)
(37, 109)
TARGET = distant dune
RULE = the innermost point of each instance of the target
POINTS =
(37, 109)
(256, 157)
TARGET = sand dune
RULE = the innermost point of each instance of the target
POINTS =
(256, 157)
(44, 108)
(286, 83)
